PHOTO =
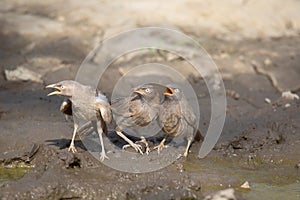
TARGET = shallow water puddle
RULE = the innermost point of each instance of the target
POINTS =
(267, 181)
(14, 172)
(279, 192)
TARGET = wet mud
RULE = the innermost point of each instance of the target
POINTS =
(260, 141)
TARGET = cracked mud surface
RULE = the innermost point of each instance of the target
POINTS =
(260, 142)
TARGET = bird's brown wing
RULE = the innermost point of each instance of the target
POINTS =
(188, 113)
(191, 119)
(130, 111)
(104, 110)
(120, 107)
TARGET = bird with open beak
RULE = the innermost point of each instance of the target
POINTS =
(176, 117)
(140, 108)
(88, 104)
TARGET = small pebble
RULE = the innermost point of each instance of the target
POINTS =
(267, 62)
(245, 185)
(233, 94)
(180, 167)
(267, 100)
(287, 105)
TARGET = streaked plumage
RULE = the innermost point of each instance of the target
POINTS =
(176, 117)
(140, 108)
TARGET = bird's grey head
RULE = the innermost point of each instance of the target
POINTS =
(63, 88)
(173, 92)
(151, 92)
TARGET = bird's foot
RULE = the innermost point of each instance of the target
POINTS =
(185, 153)
(159, 147)
(72, 148)
(137, 147)
(144, 141)
(103, 156)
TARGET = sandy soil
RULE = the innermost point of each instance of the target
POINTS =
(256, 46)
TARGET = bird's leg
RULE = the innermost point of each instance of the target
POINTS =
(161, 144)
(67, 118)
(137, 147)
(143, 140)
(100, 131)
(187, 148)
(72, 146)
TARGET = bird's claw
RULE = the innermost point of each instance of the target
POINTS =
(147, 150)
(72, 148)
(159, 147)
(103, 156)
(143, 140)
(137, 147)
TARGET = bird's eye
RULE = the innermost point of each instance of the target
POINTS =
(62, 87)
(147, 90)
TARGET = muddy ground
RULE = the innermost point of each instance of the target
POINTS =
(258, 57)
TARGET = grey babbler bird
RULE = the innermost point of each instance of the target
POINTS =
(139, 108)
(176, 117)
(88, 104)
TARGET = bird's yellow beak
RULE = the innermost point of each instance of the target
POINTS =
(169, 92)
(54, 86)
(140, 91)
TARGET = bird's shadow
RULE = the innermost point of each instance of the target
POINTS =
(152, 140)
(65, 143)
(92, 140)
